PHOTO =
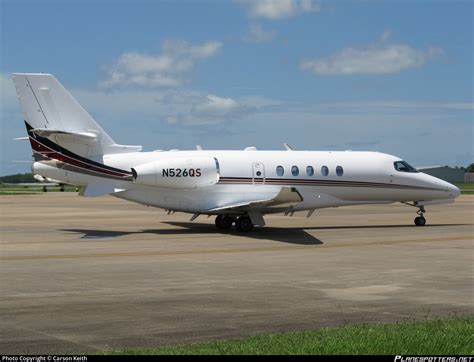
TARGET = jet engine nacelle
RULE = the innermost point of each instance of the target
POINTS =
(178, 173)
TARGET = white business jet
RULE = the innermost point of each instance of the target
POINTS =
(238, 187)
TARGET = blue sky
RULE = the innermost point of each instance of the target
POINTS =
(389, 76)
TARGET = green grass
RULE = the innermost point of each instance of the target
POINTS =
(28, 190)
(451, 336)
(466, 188)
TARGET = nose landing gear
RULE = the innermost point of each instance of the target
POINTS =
(420, 220)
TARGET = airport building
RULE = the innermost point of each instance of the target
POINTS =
(469, 177)
(446, 173)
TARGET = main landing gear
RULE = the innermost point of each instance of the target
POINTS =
(420, 219)
(224, 222)
(242, 223)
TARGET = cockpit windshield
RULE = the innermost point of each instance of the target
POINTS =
(403, 166)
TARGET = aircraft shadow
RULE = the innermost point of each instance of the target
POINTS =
(290, 235)
(285, 235)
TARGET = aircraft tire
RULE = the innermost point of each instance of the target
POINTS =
(420, 221)
(243, 224)
(224, 222)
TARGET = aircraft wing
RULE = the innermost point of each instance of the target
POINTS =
(286, 197)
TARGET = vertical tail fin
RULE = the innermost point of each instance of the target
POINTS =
(51, 112)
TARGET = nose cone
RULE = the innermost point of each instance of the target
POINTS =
(454, 191)
(444, 190)
(451, 190)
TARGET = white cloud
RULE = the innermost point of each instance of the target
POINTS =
(198, 109)
(179, 47)
(379, 58)
(166, 69)
(278, 9)
(217, 105)
(256, 34)
(172, 106)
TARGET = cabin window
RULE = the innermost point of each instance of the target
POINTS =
(403, 166)
(295, 170)
(310, 170)
(280, 171)
(339, 171)
(324, 171)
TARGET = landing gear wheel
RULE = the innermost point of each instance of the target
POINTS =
(62, 188)
(224, 222)
(243, 224)
(420, 221)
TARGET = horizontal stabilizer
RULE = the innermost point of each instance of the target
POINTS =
(86, 137)
(45, 132)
